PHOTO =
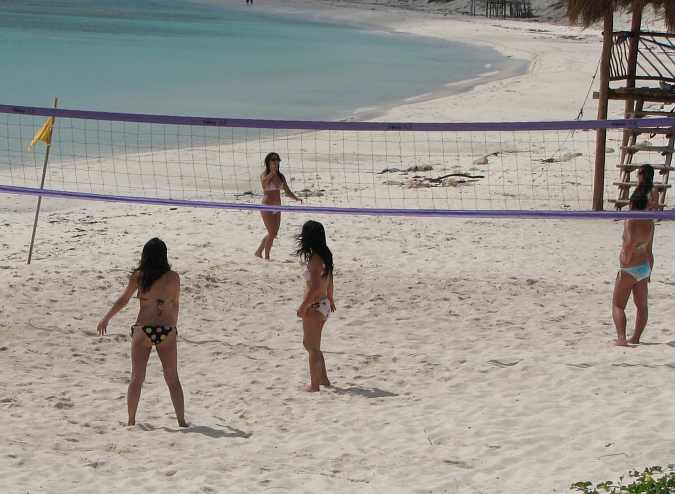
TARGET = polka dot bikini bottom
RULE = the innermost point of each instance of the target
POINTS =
(157, 334)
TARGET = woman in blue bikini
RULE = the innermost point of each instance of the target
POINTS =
(636, 263)
(158, 292)
(317, 303)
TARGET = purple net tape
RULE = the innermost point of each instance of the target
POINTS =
(317, 125)
(448, 213)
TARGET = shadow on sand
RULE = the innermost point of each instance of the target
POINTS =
(211, 431)
(365, 392)
(652, 343)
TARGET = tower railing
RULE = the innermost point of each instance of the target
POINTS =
(655, 60)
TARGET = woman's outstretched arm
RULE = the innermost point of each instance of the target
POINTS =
(290, 193)
(119, 304)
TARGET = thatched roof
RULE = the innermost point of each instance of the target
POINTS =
(588, 12)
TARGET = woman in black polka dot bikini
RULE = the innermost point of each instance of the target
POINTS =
(158, 291)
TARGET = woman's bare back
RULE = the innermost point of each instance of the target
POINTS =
(316, 264)
(160, 303)
(637, 236)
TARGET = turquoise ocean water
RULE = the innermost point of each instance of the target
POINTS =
(180, 57)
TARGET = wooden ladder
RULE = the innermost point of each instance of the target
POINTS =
(630, 148)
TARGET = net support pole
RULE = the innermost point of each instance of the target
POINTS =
(601, 136)
(42, 186)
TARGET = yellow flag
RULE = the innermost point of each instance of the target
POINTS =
(44, 134)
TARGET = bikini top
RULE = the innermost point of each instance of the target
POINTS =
(272, 186)
(643, 245)
(307, 275)
(640, 246)
(158, 301)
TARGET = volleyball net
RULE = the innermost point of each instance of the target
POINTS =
(516, 169)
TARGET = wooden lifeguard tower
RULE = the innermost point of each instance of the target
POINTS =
(637, 67)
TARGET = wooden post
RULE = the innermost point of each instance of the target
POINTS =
(633, 51)
(42, 186)
(603, 101)
(634, 45)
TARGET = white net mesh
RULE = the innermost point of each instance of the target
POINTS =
(444, 170)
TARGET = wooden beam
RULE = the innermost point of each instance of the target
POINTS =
(601, 137)
(648, 94)
(633, 48)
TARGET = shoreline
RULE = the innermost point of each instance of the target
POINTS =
(317, 11)
(392, 88)
(511, 38)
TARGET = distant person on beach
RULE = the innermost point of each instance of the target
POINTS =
(158, 292)
(249, 1)
(317, 303)
(636, 264)
(272, 181)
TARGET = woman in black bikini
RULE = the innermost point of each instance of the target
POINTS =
(158, 291)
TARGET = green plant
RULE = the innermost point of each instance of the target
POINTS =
(652, 480)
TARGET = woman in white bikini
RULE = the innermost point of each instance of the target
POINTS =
(636, 264)
(272, 181)
(158, 292)
(317, 303)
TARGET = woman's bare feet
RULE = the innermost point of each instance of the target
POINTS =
(310, 389)
(634, 341)
(258, 253)
(183, 423)
(622, 342)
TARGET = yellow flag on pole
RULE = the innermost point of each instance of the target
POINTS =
(44, 134)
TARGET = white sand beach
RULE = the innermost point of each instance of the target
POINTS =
(467, 356)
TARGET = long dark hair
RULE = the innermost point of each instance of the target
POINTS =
(270, 157)
(153, 265)
(647, 172)
(312, 240)
(639, 198)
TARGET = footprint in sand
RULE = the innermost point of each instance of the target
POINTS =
(458, 463)
(8, 402)
(64, 403)
(499, 363)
